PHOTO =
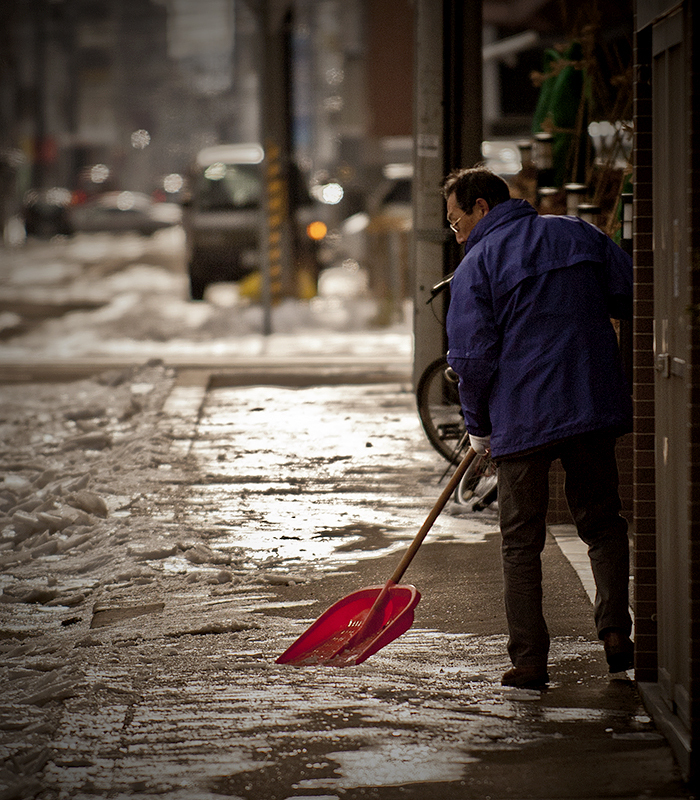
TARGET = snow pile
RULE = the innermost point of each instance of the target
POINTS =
(128, 296)
(88, 483)
(68, 447)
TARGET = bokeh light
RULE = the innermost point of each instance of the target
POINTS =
(140, 139)
(99, 173)
(173, 183)
(316, 230)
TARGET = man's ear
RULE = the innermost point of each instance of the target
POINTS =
(482, 206)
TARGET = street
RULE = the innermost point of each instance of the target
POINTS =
(169, 530)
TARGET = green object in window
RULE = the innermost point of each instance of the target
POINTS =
(562, 111)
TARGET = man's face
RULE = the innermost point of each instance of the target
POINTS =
(463, 222)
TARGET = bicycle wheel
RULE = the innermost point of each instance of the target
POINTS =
(439, 409)
(479, 486)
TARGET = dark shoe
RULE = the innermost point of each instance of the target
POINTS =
(526, 677)
(619, 651)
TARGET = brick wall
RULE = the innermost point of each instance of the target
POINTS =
(644, 503)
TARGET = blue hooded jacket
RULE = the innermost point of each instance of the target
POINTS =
(529, 329)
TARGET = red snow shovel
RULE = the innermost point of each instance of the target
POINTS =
(361, 623)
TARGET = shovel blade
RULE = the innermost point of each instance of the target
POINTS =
(333, 638)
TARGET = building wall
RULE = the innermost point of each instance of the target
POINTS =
(693, 29)
(390, 76)
(643, 390)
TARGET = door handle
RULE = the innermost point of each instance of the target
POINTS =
(678, 367)
(662, 364)
(667, 366)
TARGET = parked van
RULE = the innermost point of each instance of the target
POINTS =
(222, 215)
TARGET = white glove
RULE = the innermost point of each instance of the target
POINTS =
(480, 444)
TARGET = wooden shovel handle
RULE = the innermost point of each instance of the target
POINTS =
(433, 515)
(373, 621)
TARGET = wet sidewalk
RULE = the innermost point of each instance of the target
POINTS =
(426, 716)
(265, 505)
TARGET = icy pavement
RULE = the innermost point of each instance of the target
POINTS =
(134, 576)
(154, 566)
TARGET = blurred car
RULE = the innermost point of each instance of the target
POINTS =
(46, 213)
(222, 215)
(120, 211)
(388, 210)
(391, 201)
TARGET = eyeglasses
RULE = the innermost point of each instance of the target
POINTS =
(453, 225)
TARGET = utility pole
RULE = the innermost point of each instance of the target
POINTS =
(40, 10)
(448, 132)
(276, 261)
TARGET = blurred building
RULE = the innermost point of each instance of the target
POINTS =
(139, 86)
(136, 85)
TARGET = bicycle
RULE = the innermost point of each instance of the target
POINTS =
(440, 413)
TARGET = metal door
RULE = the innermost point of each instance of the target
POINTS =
(671, 349)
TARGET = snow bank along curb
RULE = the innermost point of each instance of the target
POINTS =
(85, 476)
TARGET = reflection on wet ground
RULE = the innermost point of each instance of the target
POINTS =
(174, 691)
(213, 713)
(286, 475)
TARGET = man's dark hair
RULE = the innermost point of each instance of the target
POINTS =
(474, 182)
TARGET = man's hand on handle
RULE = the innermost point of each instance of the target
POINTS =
(480, 444)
